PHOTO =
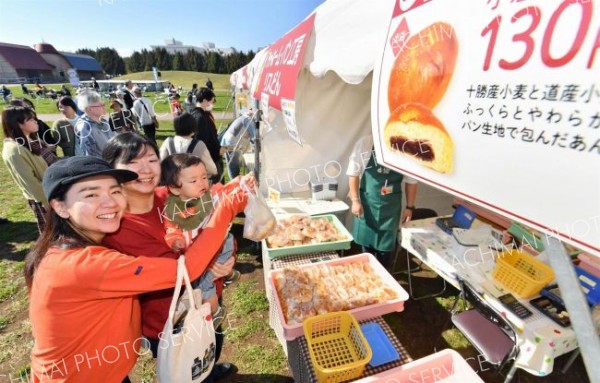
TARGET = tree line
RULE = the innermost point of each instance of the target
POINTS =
(144, 60)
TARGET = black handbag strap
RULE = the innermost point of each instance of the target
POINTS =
(192, 146)
(144, 105)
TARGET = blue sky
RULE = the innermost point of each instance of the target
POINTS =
(129, 25)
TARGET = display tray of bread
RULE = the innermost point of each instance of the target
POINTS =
(358, 283)
(301, 234)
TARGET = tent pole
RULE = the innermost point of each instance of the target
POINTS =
(257, 141)
(234, 103)
(576, 304)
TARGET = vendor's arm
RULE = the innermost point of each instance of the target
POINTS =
(353, 183)
(359, 158)
(410, 190)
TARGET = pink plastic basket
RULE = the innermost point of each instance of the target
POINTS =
(291, 332)
(446, 366)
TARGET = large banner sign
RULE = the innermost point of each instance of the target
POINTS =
(282, 64)
(497, 102)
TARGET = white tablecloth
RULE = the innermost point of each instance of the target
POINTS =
(540, 339)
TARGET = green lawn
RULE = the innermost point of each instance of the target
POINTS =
(178, 78)
(184, 78)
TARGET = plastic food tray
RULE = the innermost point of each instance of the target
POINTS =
(343, 244)
(337, 347)
(521, 273)
(382, 348)
(446, 366)
(293, 331)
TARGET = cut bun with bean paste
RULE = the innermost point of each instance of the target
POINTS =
(413, 131)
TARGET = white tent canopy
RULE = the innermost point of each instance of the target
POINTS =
(332, 100)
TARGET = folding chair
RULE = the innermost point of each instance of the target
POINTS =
(486, 329)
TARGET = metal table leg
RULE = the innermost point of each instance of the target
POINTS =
(410, 289)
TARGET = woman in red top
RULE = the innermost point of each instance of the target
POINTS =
(83, 297)
(142, 230)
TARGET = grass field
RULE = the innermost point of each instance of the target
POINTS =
(184, 78)
(160, 102)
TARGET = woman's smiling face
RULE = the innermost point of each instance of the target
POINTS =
(147, 166)
(94, 205)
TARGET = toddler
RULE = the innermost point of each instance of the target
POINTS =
(188, 209)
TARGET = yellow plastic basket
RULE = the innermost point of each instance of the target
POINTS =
(338, 349)
(521, 273)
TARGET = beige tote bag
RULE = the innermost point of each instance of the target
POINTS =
(186, 348)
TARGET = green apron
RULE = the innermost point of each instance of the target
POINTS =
(378, 227)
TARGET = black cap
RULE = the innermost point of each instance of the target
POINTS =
(63, 173)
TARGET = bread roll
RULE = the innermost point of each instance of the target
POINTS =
(412, 130)
(422, 71)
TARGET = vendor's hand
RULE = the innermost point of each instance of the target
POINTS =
(357, 209)
(406, 215)
(220, 270)
(223, 150)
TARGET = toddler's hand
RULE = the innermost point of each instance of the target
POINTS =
(249, 180)
(220, 270)
(178, 246)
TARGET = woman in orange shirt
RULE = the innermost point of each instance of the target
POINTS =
(84, 306)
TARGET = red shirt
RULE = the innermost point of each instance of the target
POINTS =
(143, 234)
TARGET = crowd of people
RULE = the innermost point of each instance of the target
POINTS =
(100, 208)
(115, 212)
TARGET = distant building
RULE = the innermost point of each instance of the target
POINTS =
(208, 46)
(86, 66)
(227, 51)
(57, 60)
(174, 46)
(20, 63)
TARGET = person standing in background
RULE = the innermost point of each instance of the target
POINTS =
(127, 95)
(184, 142)
(237, 140)
(92, 130)
(143, 110)
(23, 160)
(63, 129)
(121, 120)
(207, 129)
